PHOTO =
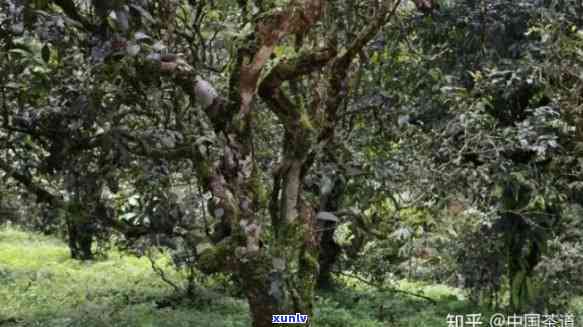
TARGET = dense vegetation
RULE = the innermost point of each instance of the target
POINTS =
(203, 158)
(125, 291)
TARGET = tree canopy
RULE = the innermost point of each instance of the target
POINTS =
(283, 142)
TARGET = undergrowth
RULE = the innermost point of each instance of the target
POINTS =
(41, 286)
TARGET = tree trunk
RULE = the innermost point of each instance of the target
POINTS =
(330, 199)
(329, 252)
(280, 278)
(80, 239)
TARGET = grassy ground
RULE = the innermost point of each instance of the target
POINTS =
(41, 286)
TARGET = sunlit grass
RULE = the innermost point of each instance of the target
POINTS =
(363, 305)
(41, 286)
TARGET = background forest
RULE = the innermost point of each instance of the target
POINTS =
(216, 162)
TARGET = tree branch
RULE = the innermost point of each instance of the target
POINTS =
(298, 17)
(366, 35)
(27, 181)
(72, 12)
(287, 70)
(337, 91)
(54, 201)
(386, 289)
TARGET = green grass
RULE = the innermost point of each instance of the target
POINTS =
(363, 306)
(41, 286)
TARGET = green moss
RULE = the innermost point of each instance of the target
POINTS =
(305, 121)
(213, 259)
(290, 236)
(203, 170)
(259, 189)
(310, 261)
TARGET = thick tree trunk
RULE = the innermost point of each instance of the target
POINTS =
(80, 240)
(281, 278)
(329, 252)
(264, 300)
(330, 199)
(281, 281)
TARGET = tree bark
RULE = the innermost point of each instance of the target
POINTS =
(329, 201)
(281, 278)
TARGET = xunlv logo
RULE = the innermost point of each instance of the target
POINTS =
(289, 319)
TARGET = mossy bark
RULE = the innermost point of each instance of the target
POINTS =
(79, 233)
(278, 281)
(287, 291)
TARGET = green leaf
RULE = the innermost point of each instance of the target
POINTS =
(22, 52)
(46, 53)
(517, 288)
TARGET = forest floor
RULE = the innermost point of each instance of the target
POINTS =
(41, 286)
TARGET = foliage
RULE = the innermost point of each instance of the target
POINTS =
(41, 295)
(269, 147)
